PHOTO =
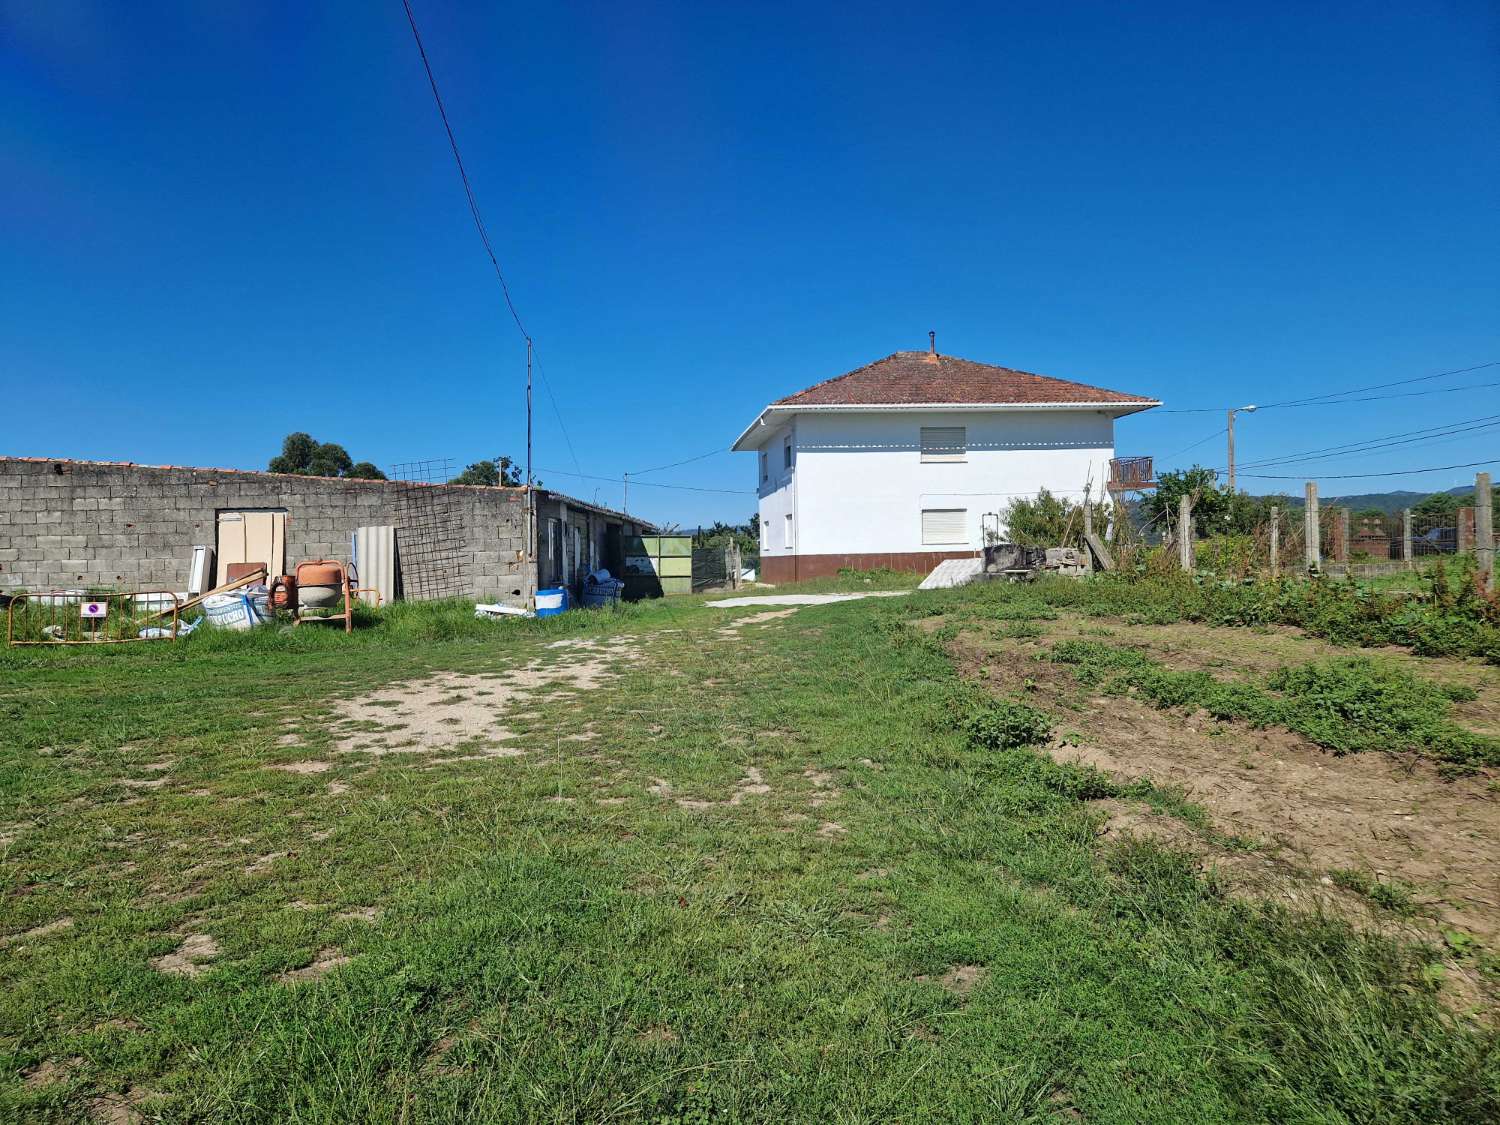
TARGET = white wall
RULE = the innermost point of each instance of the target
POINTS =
(859, 484)
(777, 494)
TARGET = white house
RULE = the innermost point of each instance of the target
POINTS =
(896, 463)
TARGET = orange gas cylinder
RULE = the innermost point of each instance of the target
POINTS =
(284, 592)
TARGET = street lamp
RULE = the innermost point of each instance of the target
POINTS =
(1248, 410)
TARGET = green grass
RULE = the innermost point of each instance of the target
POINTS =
(775, 959)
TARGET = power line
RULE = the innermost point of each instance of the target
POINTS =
(547, 385)
(1196, 444)
(1380, 386)
(1356, 476)
(1337, 398)
(677, 464)
(1371, 445)
(484, 236)
(648, 484)
(462, 173)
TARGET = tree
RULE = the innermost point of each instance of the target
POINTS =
(302, 455)
(1441, 507)
(501, 472)
(1210, 504)
(747, 535)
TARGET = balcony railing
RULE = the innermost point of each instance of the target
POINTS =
(1128, 474)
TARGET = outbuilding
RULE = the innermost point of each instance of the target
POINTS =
(98, 525)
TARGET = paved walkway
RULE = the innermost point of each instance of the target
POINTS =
(806, 599)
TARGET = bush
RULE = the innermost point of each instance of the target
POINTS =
(1006, 725)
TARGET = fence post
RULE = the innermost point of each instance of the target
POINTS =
(1088, 532)
(1465, 531)
(1311, 533)
(1484, 531)
(1185, 533)
(1406, 537)
(1341, 548)
(1275, 541)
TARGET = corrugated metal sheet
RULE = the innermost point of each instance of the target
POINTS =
(374, 554)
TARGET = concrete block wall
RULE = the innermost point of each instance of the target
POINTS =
(71, 524)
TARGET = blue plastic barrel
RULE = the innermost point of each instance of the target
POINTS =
(549, 603)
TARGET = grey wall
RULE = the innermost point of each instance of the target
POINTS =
(67, 524)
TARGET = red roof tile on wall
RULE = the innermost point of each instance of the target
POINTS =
(920, 378)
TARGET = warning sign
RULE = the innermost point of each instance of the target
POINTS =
(93, 609)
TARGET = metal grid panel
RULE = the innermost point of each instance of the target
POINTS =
(430, 531)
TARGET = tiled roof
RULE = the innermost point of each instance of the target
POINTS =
(922, 378)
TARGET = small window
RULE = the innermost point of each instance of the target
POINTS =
(791, 535)
(944, 443)
(765, 467)
(786, 454)
(765, 536)
(945, 527)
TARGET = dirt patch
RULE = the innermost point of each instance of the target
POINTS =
(732, 628)
(120, 1109)
(830, 830)
(657, 1035)
(49, 1072)
(959, 980)
(337, 788)
(326, 961)
(359, 914)
(46, 929)
(1396, 818)
(187, 959)
(265, 861)
(304, 767)
(453, 710)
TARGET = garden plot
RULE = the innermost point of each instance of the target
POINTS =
(1315, 823)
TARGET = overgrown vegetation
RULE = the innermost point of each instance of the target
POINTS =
(1346, 705)
(1047, 520)
(1439, 613)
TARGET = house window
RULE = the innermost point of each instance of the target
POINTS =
(945, 527)
(786, 454)
(790, 534)
(944, 443)
(765, 467)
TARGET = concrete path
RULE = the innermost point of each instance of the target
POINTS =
(806, 599)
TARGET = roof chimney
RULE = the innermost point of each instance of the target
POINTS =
(932, 356)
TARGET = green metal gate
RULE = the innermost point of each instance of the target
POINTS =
(657, 565)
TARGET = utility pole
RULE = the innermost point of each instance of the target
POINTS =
(1248, 410)
(529, 537)
(625, 500)
(528, 413)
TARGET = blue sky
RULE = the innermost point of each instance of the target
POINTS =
(228, 221)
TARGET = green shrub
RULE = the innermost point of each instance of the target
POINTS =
(1004, 724)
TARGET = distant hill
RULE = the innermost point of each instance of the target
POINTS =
(1385, 501)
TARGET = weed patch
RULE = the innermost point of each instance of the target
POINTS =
(1345, 705)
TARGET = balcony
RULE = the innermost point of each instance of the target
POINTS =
(1131, 474)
